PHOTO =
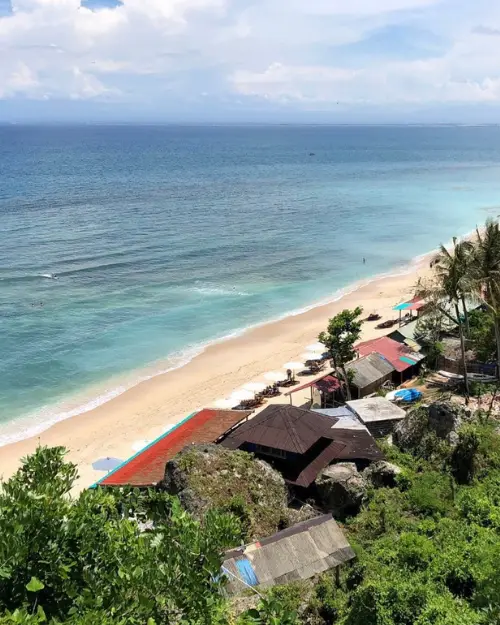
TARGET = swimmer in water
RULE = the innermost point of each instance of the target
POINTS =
(364, 260)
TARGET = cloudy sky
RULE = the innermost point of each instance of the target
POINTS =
(250, 60)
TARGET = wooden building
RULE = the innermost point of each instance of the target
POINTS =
(301, 443)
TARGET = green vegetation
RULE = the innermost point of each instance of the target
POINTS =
(428, 549)
(212, 477)
(108, 557)
(342, 333)
(452, 284)
(470, 271)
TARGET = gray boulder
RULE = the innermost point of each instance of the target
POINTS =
(409, 432)
(440, 418)
(341, 488)
(446, 419)
(297, 515)
(382, 474)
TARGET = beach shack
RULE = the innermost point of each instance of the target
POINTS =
(406, 309)
(369, 373)
(405, 361)
(300, 443)
(377, 413)
(147, 467)
(296, 553)
(407, 334)
(325, 391)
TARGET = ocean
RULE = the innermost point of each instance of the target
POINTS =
(127, 249)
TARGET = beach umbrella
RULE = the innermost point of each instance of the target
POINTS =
(106, 464)
(293, 365)
(408, 394)
(138, 445)
(255, 387)
(316, 347)
(242, 395)
(224, 404)
(274, 376)
(311, 356)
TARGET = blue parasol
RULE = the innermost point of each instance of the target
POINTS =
(408, 394)
(106, 464)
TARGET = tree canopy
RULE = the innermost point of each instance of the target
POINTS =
(342, 333)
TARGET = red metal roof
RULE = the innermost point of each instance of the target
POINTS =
(391, 350)
(147, 467)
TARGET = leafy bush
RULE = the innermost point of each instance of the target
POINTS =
(72, 557)
(431, 493)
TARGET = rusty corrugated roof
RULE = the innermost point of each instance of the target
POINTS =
(147, 467)
(399, 355)
(296, 553)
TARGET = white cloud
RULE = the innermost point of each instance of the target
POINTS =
(358, 7)
(415, 82)
(268, 49)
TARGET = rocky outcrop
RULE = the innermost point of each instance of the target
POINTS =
(440, 418)
(341, 488)
(210, 476)
(409, 432)
(382, 474)
(446, 419)
(297, 515)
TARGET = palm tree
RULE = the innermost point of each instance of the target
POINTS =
(451, 269)
(485, 273)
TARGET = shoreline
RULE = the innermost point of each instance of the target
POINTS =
(94, 397)
(145, 410)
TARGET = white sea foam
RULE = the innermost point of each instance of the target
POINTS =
(218, 291)
(37, 422)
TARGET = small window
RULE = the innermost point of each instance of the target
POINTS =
(270, 451)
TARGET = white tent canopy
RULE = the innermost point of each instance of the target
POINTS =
(242, 395)
(316, 347)
(224, 404)
(293, 365)
(255, 387)
(273, 376)
(311, 356)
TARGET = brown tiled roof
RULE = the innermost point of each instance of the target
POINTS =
(308, 434)
(283, 427)
(147, 467)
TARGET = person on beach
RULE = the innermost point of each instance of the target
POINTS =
(364, 260)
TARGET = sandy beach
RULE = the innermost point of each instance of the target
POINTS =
(144, 411)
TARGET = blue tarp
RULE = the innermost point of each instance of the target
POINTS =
(408, 394)
(246, 572)
(403, 306)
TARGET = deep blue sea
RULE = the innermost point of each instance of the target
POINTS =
(163, 239)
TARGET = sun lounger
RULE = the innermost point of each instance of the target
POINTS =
(386, 324)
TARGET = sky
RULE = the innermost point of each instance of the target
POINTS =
(307, 61)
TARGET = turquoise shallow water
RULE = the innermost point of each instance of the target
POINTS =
(163, 239)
